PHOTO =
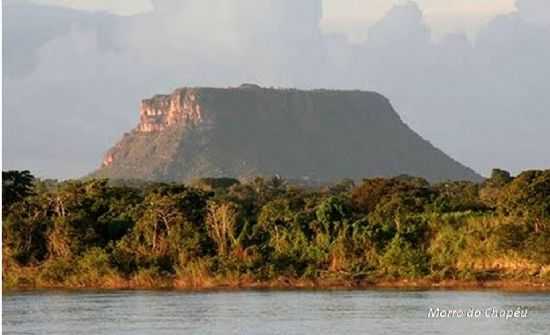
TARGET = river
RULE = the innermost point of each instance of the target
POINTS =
(276, 312)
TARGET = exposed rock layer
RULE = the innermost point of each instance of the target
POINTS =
(246, 131)
(164, 111)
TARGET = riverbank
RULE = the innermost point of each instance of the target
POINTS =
(284, 283)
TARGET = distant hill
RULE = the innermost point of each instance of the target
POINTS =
(323, 135)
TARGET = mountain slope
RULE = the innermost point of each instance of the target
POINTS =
(247, 131)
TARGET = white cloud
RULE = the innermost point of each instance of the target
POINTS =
(443, 16)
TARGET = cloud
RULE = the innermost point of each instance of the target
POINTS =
(534, 11)
(74, 79)
(478, 101)
(120, 7)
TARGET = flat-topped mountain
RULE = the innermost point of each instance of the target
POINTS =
(253, 131)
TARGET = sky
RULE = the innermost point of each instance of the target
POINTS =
(469, 76)
(443, 16)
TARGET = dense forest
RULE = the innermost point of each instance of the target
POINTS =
(273, 233)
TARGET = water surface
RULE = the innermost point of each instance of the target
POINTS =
(270, 312)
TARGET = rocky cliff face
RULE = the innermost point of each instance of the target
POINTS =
(164, 111)
(247, 131)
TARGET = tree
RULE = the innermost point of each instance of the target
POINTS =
(215, 184)
(25, 230)
(170, 223)
(457, 196)
(528, 197)
(373, 192)
(222, 222)
(274, 215)
(491, 189)
(499, 178)
(16, 185)
(333, 214)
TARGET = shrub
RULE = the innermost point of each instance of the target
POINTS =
(402, 260)
(55, 272)
(93, 266)
(445, 249)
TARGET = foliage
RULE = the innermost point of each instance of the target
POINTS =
(16, 185)
(458, 197)
(528, 197)
(96, 233)
(445, 250)
(402, 259)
